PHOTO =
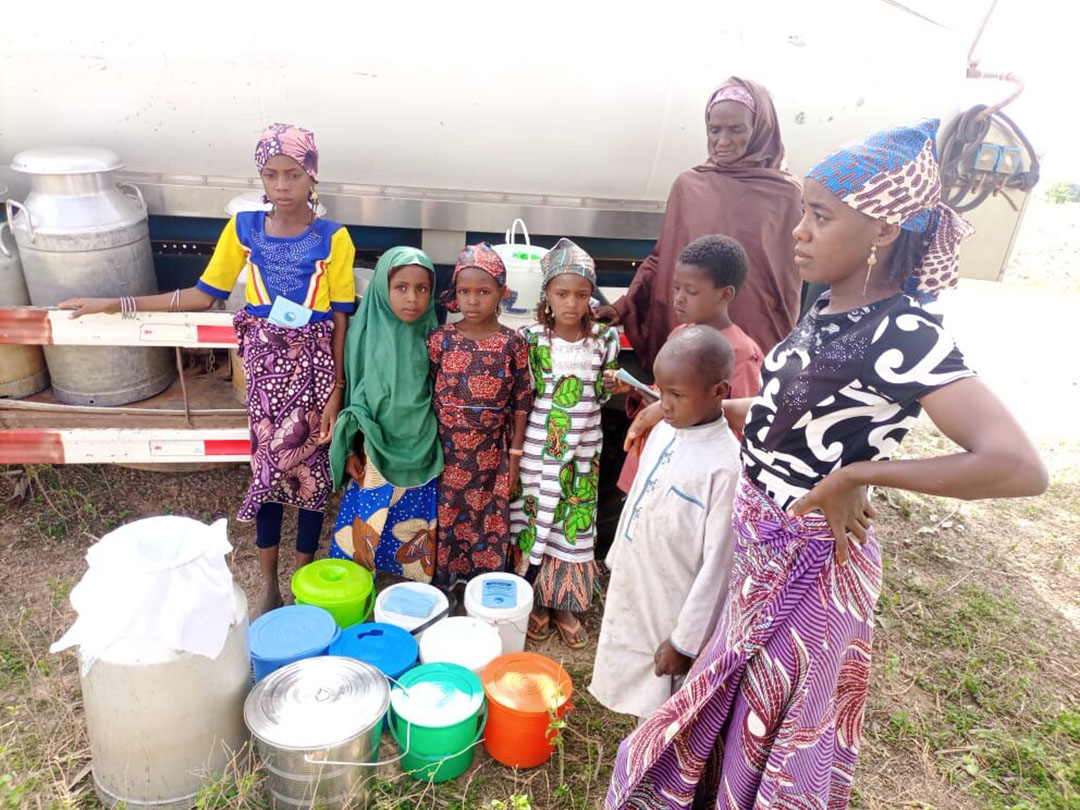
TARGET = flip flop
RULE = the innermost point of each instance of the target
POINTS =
(539, 630)
(574, 638)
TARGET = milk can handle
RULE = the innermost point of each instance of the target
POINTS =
(136, 189)
(3, 247)
(10, 204)
(511, 234)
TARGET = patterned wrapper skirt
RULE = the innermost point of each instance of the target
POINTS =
(388, 528)
(558, 584)
(290, 376)
(771, 713)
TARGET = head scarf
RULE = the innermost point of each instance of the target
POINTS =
(731, 92)
(482, 256)
(893, 176)
(291, 141)
(566, 257)
(765, 150)
(388, 389)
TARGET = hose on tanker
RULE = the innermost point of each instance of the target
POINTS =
(960, 144)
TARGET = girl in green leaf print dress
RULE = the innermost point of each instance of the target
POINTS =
(553, 513)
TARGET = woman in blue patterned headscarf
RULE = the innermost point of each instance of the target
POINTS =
(771, 713)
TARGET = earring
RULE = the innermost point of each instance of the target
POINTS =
(871, 260)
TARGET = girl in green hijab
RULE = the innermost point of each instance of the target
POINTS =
(386, 436)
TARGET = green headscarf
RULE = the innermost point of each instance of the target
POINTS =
(387, 386)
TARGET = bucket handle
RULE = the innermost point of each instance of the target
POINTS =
(477, 738)
(138, 193)
(3, 245)
(408, 742)
(451, 603)
(511, 233)
(8, 206)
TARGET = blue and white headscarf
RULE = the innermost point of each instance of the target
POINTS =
(893, 176)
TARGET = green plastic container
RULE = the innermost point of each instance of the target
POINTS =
(341, 587)
(437, 715)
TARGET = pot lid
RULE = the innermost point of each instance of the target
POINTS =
(387, 647)
(461, 640)
(527, 682)
(66, 160)
(290, 632)
(317, 703)
(437, 695)
(331, 581)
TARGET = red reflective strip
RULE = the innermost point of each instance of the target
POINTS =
(31, 447)
(227, 447)
(624, 341)
(26, 326)
(215, 334)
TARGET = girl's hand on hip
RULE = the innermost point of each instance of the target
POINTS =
(642, 424)
(845, 505)
(329, 416)
(354, 468)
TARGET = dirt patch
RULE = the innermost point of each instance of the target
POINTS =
(974, 700)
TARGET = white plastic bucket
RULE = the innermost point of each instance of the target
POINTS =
(511, 622)
(523, 277)
(410, 623)
(461, 640)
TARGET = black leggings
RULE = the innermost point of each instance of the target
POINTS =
(268, 527)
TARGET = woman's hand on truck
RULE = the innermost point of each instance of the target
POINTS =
(89, 306)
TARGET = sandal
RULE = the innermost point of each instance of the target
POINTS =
(539, 629)
(573, 637)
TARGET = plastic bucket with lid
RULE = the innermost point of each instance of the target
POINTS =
(439, 710)
(511, 618)
(384, 615)
(289, 634)
(317, 724)
(524, 692)
(386, 647)
(461, 640)
(343, 588)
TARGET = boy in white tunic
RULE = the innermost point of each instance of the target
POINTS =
(672, 553)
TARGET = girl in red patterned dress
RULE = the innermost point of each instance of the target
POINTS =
(482, 401)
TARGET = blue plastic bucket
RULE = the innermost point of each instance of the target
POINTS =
(387, 647)
(289, 634)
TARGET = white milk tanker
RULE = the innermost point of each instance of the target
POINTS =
(442, 123)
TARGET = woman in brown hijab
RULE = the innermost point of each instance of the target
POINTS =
(741, 191)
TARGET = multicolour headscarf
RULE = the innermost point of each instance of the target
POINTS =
(566, 257)
(731, 92)
(893, 176)
(482, 256)
(291, 141)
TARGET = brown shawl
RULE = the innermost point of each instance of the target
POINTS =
(755, 201)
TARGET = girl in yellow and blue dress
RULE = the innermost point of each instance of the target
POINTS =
(291, 336)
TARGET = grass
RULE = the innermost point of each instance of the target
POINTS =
(974, 699)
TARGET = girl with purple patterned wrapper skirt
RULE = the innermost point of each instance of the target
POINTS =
(291, 336)
(771, 712)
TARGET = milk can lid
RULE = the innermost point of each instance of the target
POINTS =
(317, 703)
(66, 160)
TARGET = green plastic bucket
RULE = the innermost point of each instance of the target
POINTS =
(438, 711)
(341, 587)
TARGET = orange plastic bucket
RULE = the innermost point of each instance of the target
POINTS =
(524, 691)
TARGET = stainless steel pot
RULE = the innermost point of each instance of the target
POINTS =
(317, 724)
(82, 234)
